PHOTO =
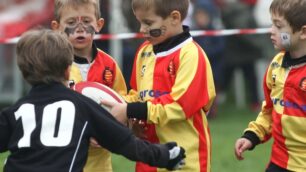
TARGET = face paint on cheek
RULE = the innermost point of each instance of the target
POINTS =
(285, 40)
(157, 32)
(69, 30)
(88, 29)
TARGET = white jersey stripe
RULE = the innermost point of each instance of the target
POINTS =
(79, 142)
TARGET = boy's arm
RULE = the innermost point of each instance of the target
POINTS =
(119, 83)
(133, 94)
(260, 130)
(4, 132)
(193, 90)
(119, 139)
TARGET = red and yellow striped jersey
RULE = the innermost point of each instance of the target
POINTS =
(176, 81)
(102, 69)
(283, 114)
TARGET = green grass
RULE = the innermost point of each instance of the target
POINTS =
(2, 159)
(225, 129)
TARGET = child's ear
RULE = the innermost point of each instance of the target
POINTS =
(303, 32)
(54, 25)
(67, 73)
(100, 24)
(175, 17)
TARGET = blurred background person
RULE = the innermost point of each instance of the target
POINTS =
(241, 51)
(16, 17)
(188, 21)
(206, 16)
(105, 12)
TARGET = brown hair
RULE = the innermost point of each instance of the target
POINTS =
(163, 8)
(60, 4)
(43, 56)
(294, 11)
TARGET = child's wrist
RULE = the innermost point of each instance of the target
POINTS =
(254, 139)
(137, 110)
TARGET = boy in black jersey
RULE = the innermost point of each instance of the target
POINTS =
(49, 129)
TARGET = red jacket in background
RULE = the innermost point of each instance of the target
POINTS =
(249, 2)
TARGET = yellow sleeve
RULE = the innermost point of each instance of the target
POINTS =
(262, 126)
(75, 74)
(132, 96)
(119, 83)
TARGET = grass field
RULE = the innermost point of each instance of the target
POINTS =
(225, 129)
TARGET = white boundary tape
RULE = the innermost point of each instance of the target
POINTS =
(194, 33)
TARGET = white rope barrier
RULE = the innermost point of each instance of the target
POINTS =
(195, 33)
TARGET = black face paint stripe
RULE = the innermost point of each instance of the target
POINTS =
(88, 29)
(157, 32)
(69, 30)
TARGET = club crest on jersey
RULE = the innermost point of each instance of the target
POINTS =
(171, 69)
(303, 84)
(108, 76)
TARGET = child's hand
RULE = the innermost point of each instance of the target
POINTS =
(242, 145)
(118, 110)
(94, 143)
(177, 156)
(138, 127)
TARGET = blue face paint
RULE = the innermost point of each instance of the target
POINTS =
(285, 40)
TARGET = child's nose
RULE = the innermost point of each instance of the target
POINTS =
(80, 28)
(143, 29)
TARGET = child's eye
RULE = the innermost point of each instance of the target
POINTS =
(276, 25)
(86, 21)
(148, 23)
(70, 22)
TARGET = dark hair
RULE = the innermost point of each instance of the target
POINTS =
(294, 11)
(163, 8)
(43, 56)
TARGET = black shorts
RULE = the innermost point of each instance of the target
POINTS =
(275, 168)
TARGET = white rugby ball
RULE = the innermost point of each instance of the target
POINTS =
(97, 91)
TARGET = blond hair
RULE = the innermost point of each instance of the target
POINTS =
(163, 8)
(60, 4)
(43, 56)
